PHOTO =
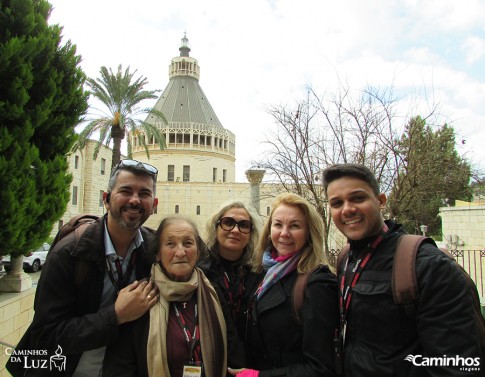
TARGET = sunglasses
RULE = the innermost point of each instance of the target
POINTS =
(151, 170)
(228, 223)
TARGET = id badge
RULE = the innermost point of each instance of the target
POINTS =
(192, 370)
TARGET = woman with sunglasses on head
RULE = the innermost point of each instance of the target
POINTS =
(232, 233)
(278, 344)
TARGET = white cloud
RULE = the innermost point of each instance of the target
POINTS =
(474, 49)
(256, 53)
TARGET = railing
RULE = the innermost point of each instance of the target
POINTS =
(472, 261)
(332, 257)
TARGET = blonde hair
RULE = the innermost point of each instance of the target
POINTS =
(211, 231)
(312, 255)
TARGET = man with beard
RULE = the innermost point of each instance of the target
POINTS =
(93, 283)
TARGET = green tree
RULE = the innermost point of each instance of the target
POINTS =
(121, 94)
(431, 175)
(41, 101)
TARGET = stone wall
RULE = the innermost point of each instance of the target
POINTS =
(463, 226)
(16, 314)
(199, 200)
(463, 229)
(91, 178)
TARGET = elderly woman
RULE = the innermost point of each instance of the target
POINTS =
(184, 333)
(278, 344)
(232, 233)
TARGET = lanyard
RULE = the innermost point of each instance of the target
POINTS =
(233, 294)
(122, 280)
(193, 342)
(349, 278)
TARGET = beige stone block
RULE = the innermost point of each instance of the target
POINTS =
(11, 310)
(12, 338)
(4, 372)
(27, 302)
(15, 283)
(31, 315)
(2, 316)
(24, 328)
(21, 319)
(6, 327)
(3, 355)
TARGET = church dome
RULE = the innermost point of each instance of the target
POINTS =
(197, 143)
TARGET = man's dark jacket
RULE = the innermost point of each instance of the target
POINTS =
(67, 300)
(380, 335)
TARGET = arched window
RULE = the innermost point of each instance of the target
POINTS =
(176, 208)
(198, 210)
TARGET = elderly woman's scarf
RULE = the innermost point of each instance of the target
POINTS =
(277, 270)
(211, 323)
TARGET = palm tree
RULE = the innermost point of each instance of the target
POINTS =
(122, 97)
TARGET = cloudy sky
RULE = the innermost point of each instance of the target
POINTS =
(257, 53)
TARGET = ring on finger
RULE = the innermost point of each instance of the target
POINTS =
(149, 297)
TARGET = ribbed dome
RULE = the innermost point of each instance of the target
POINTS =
(183, 100)
(198, 148)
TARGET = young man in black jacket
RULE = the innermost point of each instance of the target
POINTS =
(91, 285)
(378, 338)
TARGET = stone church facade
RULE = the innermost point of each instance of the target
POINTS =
(196, 169)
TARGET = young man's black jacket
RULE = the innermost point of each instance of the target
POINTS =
(380, 335)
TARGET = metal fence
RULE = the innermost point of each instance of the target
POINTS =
(472, 261)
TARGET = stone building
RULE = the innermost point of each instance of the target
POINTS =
(463, 225)
(463, 228)
(196, 169)
(89, 181)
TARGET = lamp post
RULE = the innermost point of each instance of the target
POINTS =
(424, 229)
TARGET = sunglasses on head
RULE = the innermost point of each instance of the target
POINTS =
(228, 223)
(141, 166)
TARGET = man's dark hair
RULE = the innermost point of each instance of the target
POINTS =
(358, 171)
(136, 169)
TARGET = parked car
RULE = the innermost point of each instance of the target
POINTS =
(33, 261)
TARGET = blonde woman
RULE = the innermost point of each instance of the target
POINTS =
(291, 243)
